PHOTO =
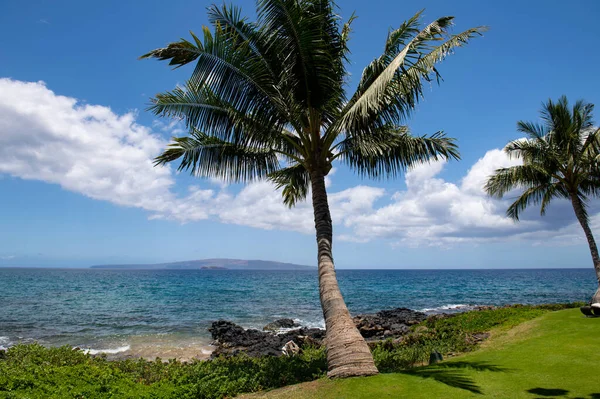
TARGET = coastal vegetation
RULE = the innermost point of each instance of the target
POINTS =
(547, 357)
(268, 100)
(561, 160)
(33, 371)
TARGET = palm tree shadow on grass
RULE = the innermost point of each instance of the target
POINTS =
(548, 392)
(557, 392)
(451, 374)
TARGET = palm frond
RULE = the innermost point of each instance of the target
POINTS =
(178, 53)
(389, 90)
(208, 156)
(230, 68)
(535, 131)
(203, 110)
(295, 182)
(308, 37)
(369, 98)
(391, 151)
(533, 195)
(345, 36)
(554, 190)
(516, 177)
(591, 144)
(533, 151)
(230, 19)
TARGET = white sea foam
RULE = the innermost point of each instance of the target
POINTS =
(107, 351)
(452, 307)
(4, 343)
(320, 323)
(311, 324)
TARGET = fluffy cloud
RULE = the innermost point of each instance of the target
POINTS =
(435, 212)
(91, 150)
(85, 148)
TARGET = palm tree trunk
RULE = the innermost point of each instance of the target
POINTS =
(348, 354)
(580, 213)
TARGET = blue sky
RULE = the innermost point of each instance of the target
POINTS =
(65, 202)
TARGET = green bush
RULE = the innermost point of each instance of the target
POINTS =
(414, 349)
(33, 371)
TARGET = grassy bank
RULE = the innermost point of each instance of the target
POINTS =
(553, 356)
(32, 371)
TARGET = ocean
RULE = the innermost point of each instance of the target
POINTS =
(166, 313)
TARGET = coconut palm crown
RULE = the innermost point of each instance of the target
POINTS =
(268, 100)
(560, 160)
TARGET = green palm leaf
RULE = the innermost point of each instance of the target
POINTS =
(391, 151)
(294, 180)
(208, 156)
(388, 73)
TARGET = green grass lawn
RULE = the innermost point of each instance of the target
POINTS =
(556, 355)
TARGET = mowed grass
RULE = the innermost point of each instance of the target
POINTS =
(556, 355)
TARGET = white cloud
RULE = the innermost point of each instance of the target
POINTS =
(84, 148)
(476, 177)
(91, 150)
(435, 212)
(432, 211)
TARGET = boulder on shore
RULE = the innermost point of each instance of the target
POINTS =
(231, 339)
(388, 323)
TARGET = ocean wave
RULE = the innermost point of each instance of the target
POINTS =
(450, 307)
(301, 323)
(120, 349)
(4, 343)
(311, 324)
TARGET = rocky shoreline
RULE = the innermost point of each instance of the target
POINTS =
(282, 336)
(285, 336)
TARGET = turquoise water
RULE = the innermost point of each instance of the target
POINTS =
(148, 312)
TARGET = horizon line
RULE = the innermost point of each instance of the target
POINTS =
(294, 270)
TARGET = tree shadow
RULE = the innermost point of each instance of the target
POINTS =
(548, 392)
(477, 366)
(452, 374)
(544, 393)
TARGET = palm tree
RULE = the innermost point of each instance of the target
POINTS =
(267, 100)
(560, 160)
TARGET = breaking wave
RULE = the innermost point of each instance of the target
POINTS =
(107, 351)
(450, 308)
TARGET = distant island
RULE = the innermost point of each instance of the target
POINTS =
(213, 264)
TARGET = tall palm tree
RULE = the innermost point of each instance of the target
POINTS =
(560, 160)
(267, 99)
